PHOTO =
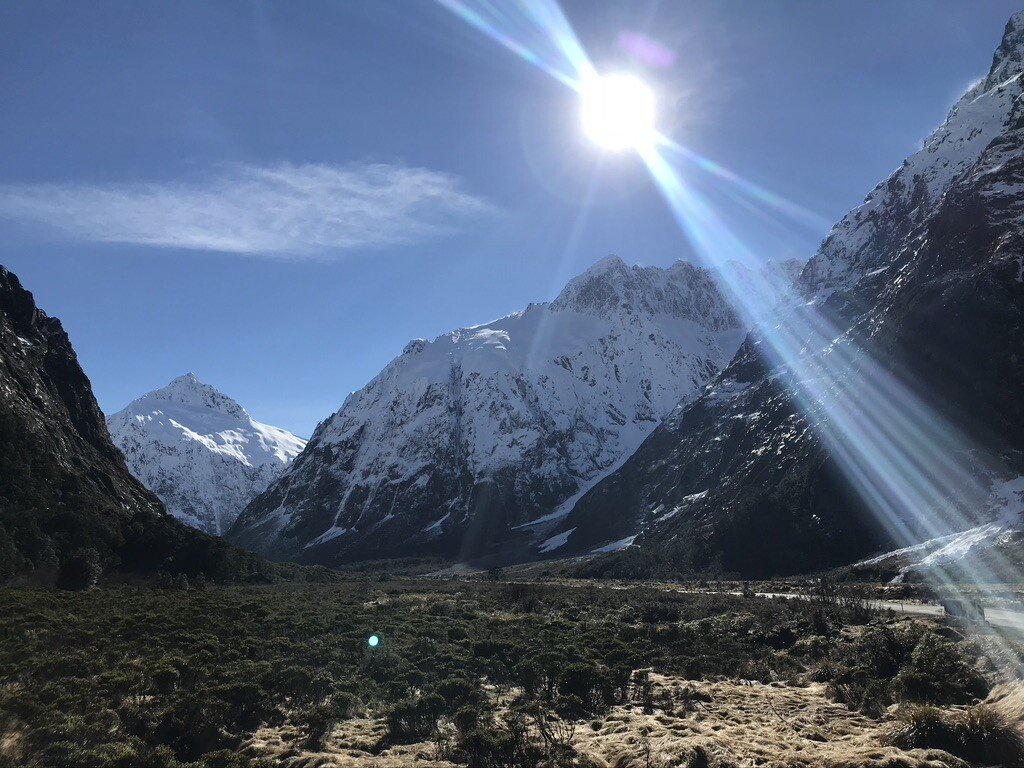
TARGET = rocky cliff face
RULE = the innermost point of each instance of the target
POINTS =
(63, 485)
(922, 285)
(200, 452)
(479, 441)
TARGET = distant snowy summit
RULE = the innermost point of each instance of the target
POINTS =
(200, 452)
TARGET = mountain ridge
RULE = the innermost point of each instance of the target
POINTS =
(66, 494)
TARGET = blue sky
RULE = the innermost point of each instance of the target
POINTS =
(278, 196)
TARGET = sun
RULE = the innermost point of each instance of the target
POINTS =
(618, 111)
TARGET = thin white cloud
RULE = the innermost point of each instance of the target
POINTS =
(283, 210)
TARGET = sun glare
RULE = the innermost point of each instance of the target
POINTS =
(618, 112)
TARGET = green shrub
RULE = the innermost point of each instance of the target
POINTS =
(813, 647)
(81, 570)
(190, 727)
(911, 664)
(165, 678)
(507, 746)
(584, 681)
(859, 690)
(246, 704)
(321, 718)
(938, 674)
(299, 683)
(456, 692)
(528, 675)
(414, 718)
(980, 735)
(466, 719)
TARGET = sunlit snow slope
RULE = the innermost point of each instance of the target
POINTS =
(200, 452)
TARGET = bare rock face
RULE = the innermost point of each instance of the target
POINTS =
(200, 452)
(477, 442)
(926, 281)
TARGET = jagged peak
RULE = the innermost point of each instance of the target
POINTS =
(861, 241)
(611, 287)
(681, 267)
(187, 389)
(1008, 59)
(606, 270)
(415, 347)
(601, 287)
(609, 263)
(18, 303)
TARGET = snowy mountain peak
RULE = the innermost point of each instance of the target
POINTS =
(609, 263)
(867, 239)
(189, 390)
(1008, 60)
(476, 441)
(200, 451)
(683, 291)
(600, 288)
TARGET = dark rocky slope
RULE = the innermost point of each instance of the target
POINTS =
(64, 487)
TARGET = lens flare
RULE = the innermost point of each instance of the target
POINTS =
(618, 112)
(373, 641)
(535, 30)
(918, 474)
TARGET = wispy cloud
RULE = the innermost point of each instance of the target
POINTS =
(284, 210)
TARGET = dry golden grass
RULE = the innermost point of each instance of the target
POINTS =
(745, 723)
(352, 743)
(735, 723)
(1008, 700)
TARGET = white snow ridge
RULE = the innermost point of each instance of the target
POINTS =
(200, 452)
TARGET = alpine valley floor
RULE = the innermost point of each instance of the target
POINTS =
(491, 673)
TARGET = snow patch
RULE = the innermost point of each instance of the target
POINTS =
(615, 546)
(331, 533)
(556, 541)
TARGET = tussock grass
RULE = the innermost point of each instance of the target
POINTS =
(979, 734)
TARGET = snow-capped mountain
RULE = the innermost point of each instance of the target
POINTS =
(924, 284)
(200, 452)
(482, 438)
(864, 239)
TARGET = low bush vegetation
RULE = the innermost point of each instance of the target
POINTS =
(495, 674)
(906, 663)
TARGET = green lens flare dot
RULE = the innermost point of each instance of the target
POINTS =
(373, 641)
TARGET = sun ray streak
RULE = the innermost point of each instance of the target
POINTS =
(916, 473)
(544, 331)
(738, 184)
(919, 476)
(555, 49)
